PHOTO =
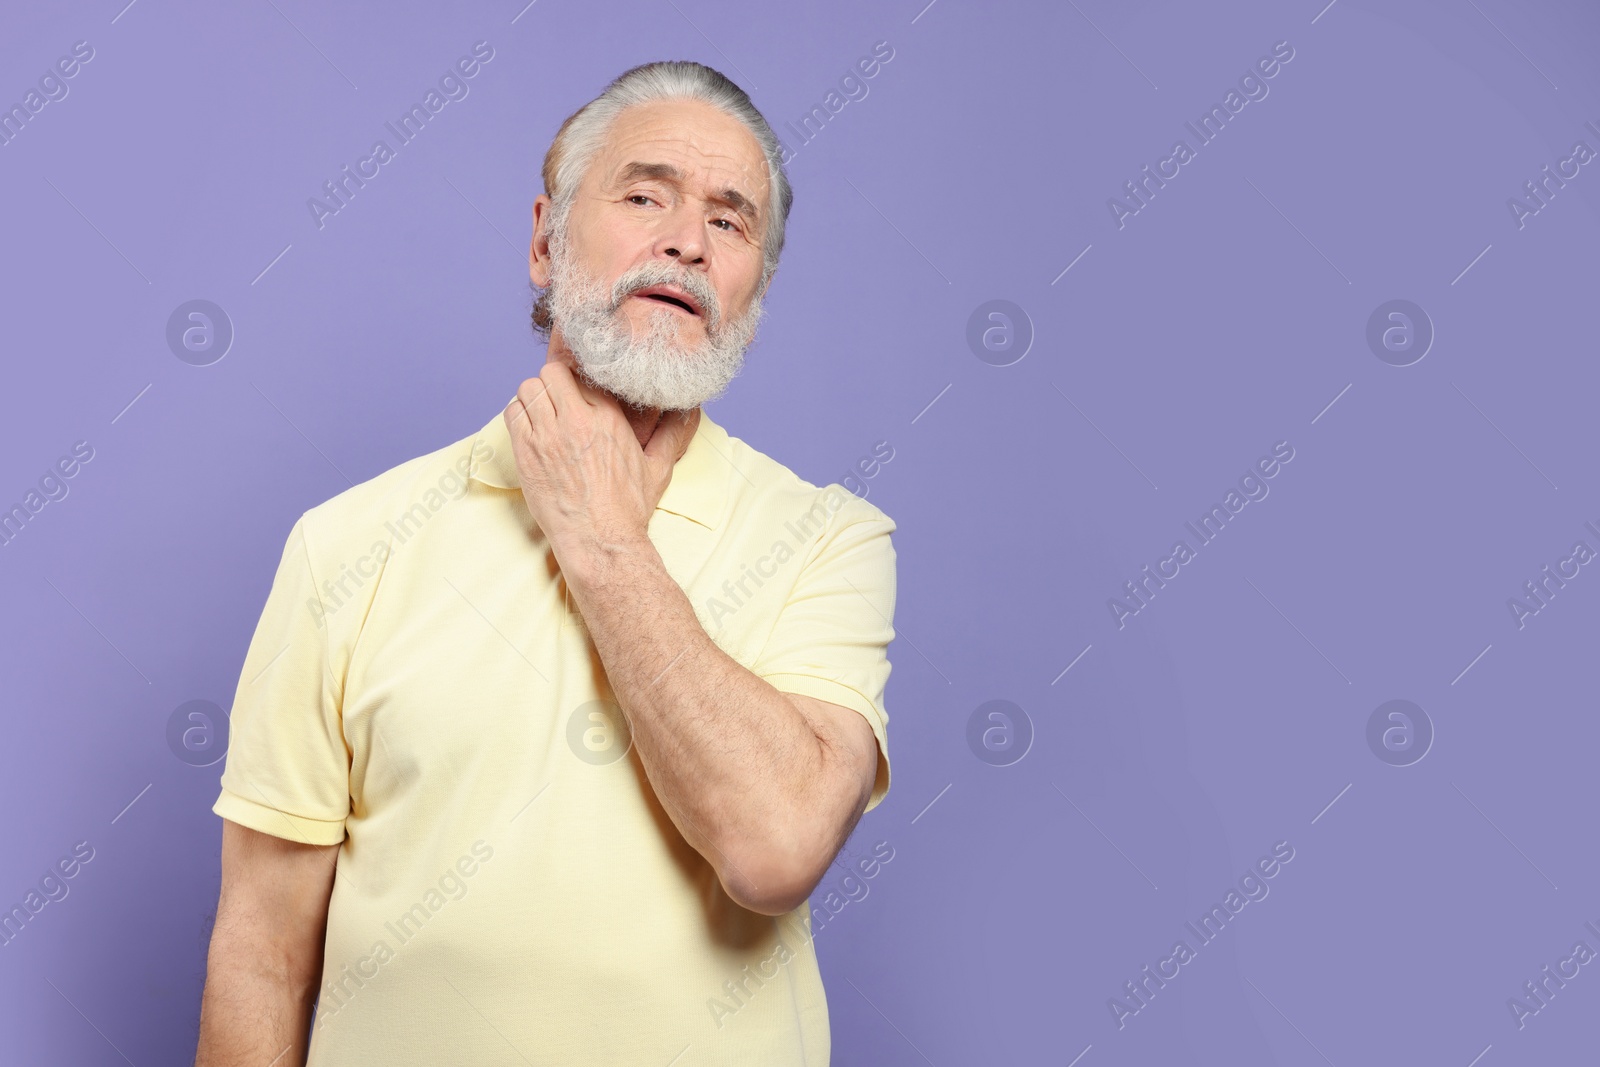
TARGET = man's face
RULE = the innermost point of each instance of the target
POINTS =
(655, 271)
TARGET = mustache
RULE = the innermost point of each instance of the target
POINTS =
(649, 274)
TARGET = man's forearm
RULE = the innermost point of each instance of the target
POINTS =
(265, 961)
(250, 1018)
(734, 762)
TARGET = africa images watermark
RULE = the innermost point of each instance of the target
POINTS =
(851, 886)
(737, 992)
(52, 487)
(452, 885)
(53, 88)
(1252, 487)
(852, 87)
(868, 467)
(1252, 87)
(803, 527)
(1540, 191)
(1539, 591)
(52, 888)
(451, 485)
(1253, 887)
(452, 87)
(1539, 993)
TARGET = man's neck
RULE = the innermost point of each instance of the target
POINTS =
(643, 420)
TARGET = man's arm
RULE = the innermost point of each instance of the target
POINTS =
(766, 785)
(265, 962)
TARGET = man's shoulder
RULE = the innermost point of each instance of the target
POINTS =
(767, 488)
(362, 511)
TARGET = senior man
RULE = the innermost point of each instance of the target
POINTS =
(544, 739)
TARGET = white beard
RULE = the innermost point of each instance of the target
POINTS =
(655, 370)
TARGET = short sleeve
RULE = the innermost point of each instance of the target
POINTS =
(288, 767)
(832, 636)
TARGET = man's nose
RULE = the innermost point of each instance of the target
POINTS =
(682, 237)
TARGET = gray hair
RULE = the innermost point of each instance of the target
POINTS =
(584, 133)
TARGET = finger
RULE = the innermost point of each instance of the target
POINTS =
(598, 399)
(584, 388)
(601, 403)
(563, 387)
(536, 404)
(515, 416)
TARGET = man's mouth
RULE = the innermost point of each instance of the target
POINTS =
(672, 297)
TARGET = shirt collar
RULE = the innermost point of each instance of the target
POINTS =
(698, 490)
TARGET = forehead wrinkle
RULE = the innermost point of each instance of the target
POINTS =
(640, 135)
(636, 170)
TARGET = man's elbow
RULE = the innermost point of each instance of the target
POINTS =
(772, 882)
(775, 871)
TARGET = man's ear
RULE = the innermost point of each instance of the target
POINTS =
(767, 284)
(539, 247)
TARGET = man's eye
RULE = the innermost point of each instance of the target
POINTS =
(639, 196)
(732, 226)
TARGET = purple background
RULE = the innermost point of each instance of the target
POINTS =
(1222, 318)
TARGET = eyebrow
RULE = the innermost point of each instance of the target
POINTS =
(733, 198)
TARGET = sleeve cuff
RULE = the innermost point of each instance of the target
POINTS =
(846, 697)
(248, 813)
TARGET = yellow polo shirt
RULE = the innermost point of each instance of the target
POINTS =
(509, 889)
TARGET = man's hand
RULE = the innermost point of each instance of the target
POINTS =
(587, 482)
